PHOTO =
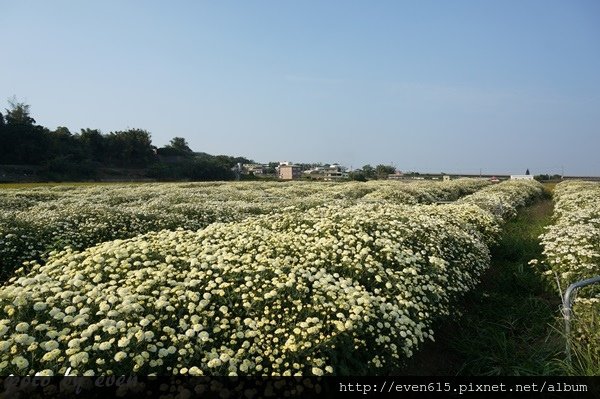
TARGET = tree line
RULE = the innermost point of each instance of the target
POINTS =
(368, 172)
(89, 154)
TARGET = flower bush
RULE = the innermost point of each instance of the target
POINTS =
(572, 251)
(35, 221)
(503, 199)
(342, 287)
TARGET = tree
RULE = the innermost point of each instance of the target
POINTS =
(18, 114)
(23, 143)
(180, 144)
(63, 143)
(368, 171)
(194, 169)
(230, 162)
(527, 172)
(357, 175)
(130, 148)
(272, 168)
(93, 144)
(383, 171)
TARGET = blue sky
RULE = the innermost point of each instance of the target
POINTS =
(452, 86)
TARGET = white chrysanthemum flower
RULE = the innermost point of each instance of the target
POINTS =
(79, 358)
(50, 345)
(20, 362)
(70, 309)
(104, 346)
(50, 356)
(22, 327)
(23, 339)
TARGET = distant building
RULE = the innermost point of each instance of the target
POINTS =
(289, 172)
(396, 176)
(328, 173)
(254, 168)
(335, 172)
(333, 175)
(521, 177)
(446, 177)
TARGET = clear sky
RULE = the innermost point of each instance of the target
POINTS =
(433, 86)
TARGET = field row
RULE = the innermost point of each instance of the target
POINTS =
(35, 221)
(572, 251)
(334, 289)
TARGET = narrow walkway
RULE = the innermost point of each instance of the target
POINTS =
(505, 326)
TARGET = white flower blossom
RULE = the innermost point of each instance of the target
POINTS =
(212, 279)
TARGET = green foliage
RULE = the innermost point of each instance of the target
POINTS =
(547, 177)
(60, 155)
(22, 141)
(67, 167)
(368, 171)
(180, 144)
(584, 359)
(18, 114)
(382, 171)
(93, 144)
(357, 175)
(130, 148)
(196, 169)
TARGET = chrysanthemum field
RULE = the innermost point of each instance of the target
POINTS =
(246, 278)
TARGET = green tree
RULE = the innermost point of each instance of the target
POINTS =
(368, 171)
(94, 145)
(357, 175)
(382, 171)
(130, 148)
(180, 144)
(19, 113)
(63, 143)
(272, 168)
(22, 141)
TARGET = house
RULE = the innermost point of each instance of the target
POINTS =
(335, 175)
(521, 177)
(254, 168)
(289, 172)
(396, 176)
(335, 172)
